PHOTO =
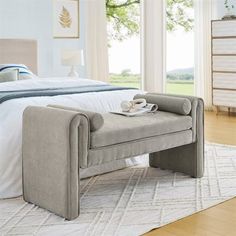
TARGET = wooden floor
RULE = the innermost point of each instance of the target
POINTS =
(220, 128)
(221, 219)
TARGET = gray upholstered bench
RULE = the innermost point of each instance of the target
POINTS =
(58, 141)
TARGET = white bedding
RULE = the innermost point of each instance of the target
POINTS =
(11, 124)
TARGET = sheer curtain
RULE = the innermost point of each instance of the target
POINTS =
(96, 50)
(204, 12)
(153, 56)
(153, 45)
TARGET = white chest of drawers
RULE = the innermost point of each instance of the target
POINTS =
(224, 63)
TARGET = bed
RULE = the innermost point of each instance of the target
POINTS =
(11, 111)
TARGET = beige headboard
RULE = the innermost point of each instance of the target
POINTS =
(19, 51)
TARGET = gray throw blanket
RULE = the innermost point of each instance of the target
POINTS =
(9, 95)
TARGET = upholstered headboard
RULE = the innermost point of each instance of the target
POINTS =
(19, 51)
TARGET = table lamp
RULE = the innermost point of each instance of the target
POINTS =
(71, 58)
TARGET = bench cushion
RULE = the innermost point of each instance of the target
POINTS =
(98, 156)
(119, 129)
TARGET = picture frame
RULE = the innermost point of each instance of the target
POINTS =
(66, 19)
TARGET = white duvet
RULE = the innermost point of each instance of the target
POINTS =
(11, 124)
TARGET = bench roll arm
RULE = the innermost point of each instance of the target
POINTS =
(50, 153)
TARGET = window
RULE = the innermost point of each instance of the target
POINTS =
(123, 17)
(180, 47)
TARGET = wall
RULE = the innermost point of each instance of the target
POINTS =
(32, 19)
(220, 10)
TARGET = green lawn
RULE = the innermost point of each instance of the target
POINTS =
(172, 87)
(184, 88)
(126, 80)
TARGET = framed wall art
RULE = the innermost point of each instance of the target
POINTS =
(66, 18)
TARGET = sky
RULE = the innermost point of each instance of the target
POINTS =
(179, 50)
(179, 53)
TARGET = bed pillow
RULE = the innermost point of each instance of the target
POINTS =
(24, 72)
(8, 76)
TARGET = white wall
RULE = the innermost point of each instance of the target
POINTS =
(220, 8)
(32, 19)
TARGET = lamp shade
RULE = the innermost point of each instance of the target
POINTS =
(71, 57)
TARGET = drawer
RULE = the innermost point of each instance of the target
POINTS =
(224, 98)
(224, 63)
(224, 46)
(224, 80)
(224, 28)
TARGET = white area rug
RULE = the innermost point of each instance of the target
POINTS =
(131, 201)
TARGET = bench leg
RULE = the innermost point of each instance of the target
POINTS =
(188, 159)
